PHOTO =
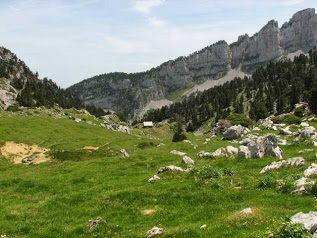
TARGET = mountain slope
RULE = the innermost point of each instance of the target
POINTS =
(20, 86)
(130, 93)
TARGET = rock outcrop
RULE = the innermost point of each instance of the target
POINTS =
(130, 93)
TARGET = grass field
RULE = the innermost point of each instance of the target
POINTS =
(59, 197)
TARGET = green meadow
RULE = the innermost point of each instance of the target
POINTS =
(58, 198)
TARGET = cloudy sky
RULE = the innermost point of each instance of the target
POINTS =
(70, 40)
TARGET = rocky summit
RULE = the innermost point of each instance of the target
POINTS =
(131, 94)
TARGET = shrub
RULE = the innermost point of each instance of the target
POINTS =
(179, 134)
(292, 119)
(144, 145)
(13, 108)
(288, 230)
(240, 119)
(278, 119)
(209, 172)
(299, 112)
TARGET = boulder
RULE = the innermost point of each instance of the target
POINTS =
(155, 231)
(296, 161)
(307, 132)
(256, 150)
(307, 219)
(301, 185)
(220, 152)
(172, 168)
(267, 123)
(244, 152)
(311, 170)
(232, 151)
(175, 152)
(187, 160)
(270, 146)
(233, 132)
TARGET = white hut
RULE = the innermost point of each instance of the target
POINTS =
(147, 124)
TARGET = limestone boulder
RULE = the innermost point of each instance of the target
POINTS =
(233, 132)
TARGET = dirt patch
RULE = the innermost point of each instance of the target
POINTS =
(90, 148)
(22, 153)
(148, 212)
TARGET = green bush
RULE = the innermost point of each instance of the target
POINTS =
(240, 119)
(179, 134)
(292, 119)
(278, 119)
(13, 108)
(288, 230)
(299, 112)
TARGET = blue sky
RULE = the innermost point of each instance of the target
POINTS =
(70, 40)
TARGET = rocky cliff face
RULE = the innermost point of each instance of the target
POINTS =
(129, 93)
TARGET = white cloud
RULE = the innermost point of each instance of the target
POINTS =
(146, 6)
(154, 21)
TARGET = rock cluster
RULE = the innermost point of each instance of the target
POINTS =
(259, 147)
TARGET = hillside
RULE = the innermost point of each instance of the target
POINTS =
(87, 180)
(130, 93)
(274, 89)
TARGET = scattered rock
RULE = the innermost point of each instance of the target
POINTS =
(307, 132)
(94, 223)
(206, 141)
(297, 161)
(285, 131)
(247, 211)
(124, 129)
(155, 231)
(78, 120)
(301, 185)
(274, 128)
(305, 150)
(154, 178)
(311, 170)
(203, 154)
(187, 160)
(267, 123)
(281, 141)
(203, 226)
(304, 124)
(220, 152)
(170, 168)
(256, 129)
(233, 132)
(175, 152)
(307, 219)
(124, 153)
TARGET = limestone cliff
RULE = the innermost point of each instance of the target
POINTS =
(130, 93)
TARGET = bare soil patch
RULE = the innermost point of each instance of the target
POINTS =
(90, 148)
(22, 153)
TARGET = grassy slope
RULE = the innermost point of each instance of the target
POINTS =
(56, 199)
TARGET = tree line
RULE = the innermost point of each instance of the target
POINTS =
(273, 89)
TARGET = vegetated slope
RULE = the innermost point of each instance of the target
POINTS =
(130, 93)
(274, 89)
(58, 198)
(19, 85)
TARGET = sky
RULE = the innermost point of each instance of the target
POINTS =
(71, 40)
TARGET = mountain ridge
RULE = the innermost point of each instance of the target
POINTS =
(130, 93)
